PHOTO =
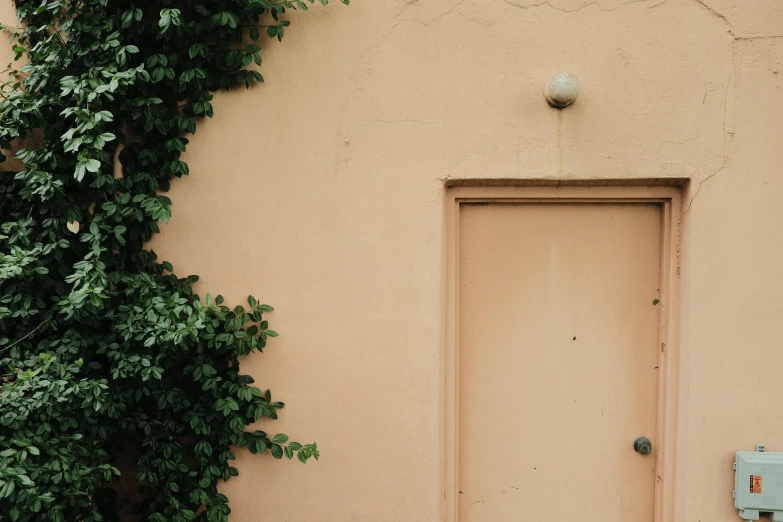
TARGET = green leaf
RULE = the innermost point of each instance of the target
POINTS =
(92, 165)
(277, 451)
(127, 17)
(100, 336)
(8, 489)
(79, 172)
(198, 49)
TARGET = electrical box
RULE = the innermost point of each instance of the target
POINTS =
(758, 484)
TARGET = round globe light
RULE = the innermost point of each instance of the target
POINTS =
(561, 89)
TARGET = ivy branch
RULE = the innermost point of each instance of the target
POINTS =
(107, 355)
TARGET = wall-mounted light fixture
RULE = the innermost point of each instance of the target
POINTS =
(561, 89)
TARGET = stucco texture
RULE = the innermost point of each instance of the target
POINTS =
(322, 192)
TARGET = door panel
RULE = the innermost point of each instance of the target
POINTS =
(558, 349)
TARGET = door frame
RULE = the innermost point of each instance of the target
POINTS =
(668, 357)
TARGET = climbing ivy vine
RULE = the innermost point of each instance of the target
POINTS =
(106, 356)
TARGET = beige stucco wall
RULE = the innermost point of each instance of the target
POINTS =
(322, 192)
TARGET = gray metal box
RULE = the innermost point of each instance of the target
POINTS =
(758, 484)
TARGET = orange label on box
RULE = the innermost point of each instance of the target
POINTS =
(755, 483)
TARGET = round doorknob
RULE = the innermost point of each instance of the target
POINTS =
(642, 445)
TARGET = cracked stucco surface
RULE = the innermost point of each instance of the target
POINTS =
(323, 190)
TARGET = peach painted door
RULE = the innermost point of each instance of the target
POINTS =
(558, 355)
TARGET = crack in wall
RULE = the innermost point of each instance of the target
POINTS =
(425, 24)
(715, 167)
(588, 4)
(543, 3)
(719, 15)
(728, 136)
(727, 142)
(378, 119)
(731, 26)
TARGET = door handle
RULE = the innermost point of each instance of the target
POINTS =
(642, 445)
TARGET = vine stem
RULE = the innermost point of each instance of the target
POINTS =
(31, 332)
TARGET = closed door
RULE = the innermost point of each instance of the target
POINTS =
(558, 355)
